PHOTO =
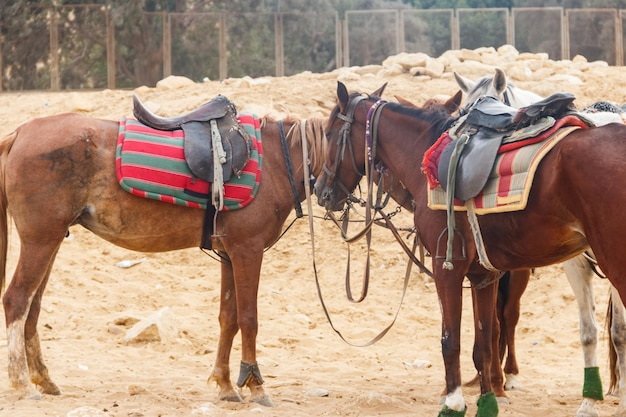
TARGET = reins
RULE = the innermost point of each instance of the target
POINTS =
(370, 149)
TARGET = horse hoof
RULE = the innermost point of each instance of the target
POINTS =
(32, 395)
(264, 401)
(503, 400)
(233, 398)
(512, 383)
(50, 389)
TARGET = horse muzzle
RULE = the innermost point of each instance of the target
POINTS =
(327, 198)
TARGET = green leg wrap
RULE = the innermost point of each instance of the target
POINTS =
(592, 387)
(448, 412)
(487, 405)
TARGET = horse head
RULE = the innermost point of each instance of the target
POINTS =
(352, 130)
(497, 86)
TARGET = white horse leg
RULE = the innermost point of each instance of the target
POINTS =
(580, 275)
(618, 338)
(18, 364)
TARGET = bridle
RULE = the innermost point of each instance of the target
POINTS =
(371, 135)
(343, 142)
(371, 138)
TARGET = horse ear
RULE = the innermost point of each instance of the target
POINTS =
(379, 92)
(404, 101)
(464, 83)
(454, 102)
(499, 81)
(342, 95)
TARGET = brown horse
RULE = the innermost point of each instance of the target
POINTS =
(567, 212)
(511, 287)
(59, 171)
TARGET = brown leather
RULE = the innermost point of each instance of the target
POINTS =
(214, 109)
(198, 145)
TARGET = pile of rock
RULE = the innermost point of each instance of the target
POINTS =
(482, 61)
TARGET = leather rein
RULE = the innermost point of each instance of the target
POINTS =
(371, 138)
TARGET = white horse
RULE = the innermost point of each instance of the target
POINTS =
(579, 270)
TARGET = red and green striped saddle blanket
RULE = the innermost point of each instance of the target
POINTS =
(150, 163)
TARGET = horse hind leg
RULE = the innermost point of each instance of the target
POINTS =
(580, 275)
(22, 303)
(511, 313)
(38, 371)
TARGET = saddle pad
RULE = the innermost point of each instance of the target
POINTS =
(432, 156)
(150, 163)
(510, 180)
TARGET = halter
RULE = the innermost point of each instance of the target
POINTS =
(342, 140)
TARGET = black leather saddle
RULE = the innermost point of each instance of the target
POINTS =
(481, 133)
(213, 121)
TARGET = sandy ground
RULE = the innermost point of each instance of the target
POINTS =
(299, 354)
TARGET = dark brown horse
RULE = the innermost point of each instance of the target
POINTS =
(568, 211)
(59, 171)
(511, 287)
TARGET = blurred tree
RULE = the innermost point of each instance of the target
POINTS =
(24, 45)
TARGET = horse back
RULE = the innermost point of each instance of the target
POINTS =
(577, 197)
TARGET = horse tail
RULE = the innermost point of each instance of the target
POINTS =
(613, 372)
(5, 147)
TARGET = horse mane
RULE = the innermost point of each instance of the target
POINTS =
(314, 132)
(433, 113)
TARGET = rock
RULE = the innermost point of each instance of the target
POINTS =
(206, 409)
(136, 390)
(159, 327)
(434, 69)
(368, 69)
(408, 60)
(470, 55)
(173, 82)
(519, 73)
(86, 411)
(508, 50)
(317, 392)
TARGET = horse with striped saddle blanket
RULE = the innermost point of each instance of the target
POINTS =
(60, 171)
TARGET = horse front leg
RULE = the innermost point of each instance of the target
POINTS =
(228, 330)
(496, 376)
(449, 290)
(580, 275)
(247, 271)
(484, 302)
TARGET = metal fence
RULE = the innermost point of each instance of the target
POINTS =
(81, 45)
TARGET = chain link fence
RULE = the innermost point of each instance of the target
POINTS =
(90, 47)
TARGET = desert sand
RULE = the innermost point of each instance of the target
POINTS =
(299, 354)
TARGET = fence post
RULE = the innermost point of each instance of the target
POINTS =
(167, 45)
(1, 67)
(110, 29)
(619, 44)
(279, 54)
(223, 52)
(345, 43)
(54, 50)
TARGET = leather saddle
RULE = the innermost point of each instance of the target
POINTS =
(482, 131)
(212, 127)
